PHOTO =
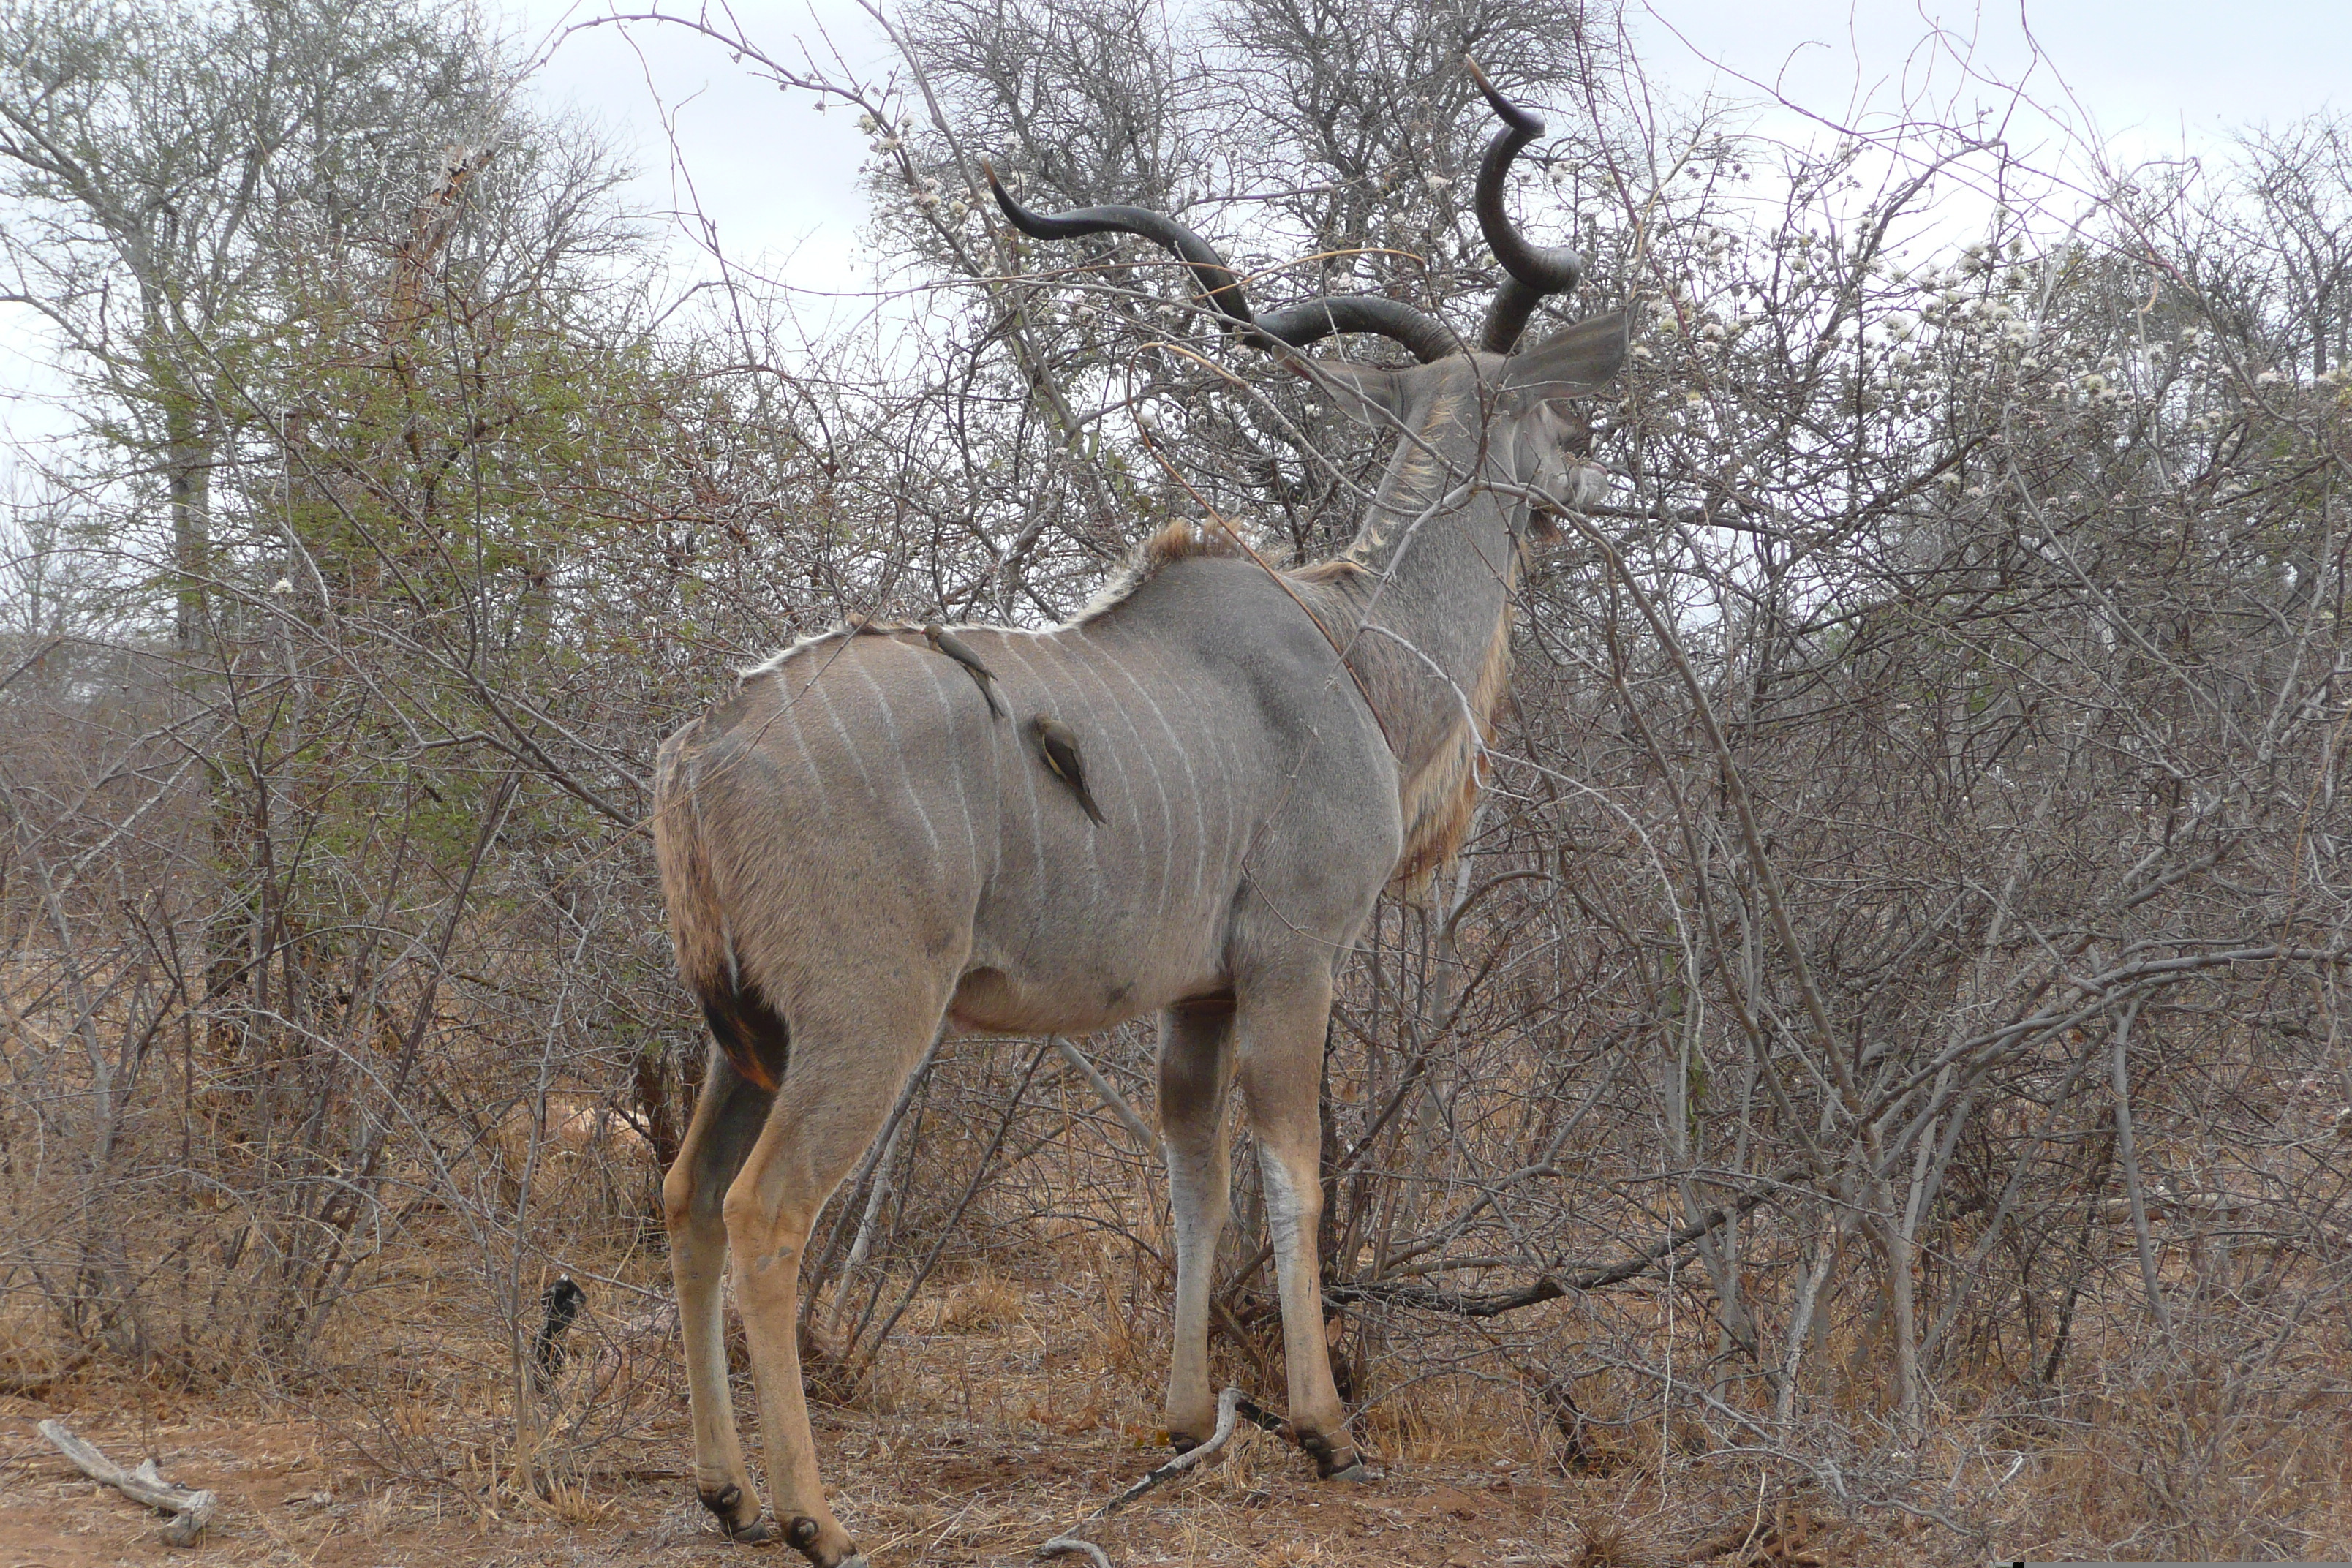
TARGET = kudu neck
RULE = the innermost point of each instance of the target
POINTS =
(1431, 610)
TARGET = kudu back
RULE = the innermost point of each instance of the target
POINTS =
(854, 850)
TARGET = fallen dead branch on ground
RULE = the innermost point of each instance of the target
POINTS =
(191, 1510)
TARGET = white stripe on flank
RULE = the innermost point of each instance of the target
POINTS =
(1027, 767)
(786, 714)
(1087, 653)
(1072, 668)
(1227, 776)
(1239, 802)
(930, 667)
(1089, 723)
(897, 751)
(846, 743)
(1183, 755)
(996, 739)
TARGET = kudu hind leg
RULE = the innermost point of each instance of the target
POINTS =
(836, 1093)
(728, 1116)
(1195, 1071)
(1280, 1031)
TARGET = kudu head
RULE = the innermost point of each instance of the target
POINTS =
(1490, 409)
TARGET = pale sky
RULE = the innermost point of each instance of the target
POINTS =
(778, 180)
(2155, 75)
(2152, 67)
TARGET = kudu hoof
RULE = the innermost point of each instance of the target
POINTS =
(1333, 1463)
(803, 1534)
(722, 1504)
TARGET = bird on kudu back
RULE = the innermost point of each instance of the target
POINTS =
(1057, 743)
(945, 641)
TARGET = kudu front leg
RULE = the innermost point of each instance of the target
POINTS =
(727, 1118)
(1195, 1072)
(1281, 1050)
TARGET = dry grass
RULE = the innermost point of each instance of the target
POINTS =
(1021, 1387)
(1008, 1406)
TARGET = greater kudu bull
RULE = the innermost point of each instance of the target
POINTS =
(855, 847)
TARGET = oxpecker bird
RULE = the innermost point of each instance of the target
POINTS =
(1059, 747)
(945, 641)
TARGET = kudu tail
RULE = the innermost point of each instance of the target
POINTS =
(747, 1028)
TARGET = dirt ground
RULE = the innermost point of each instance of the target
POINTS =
(1001, 1412)
(997, 1436)
(912, 1491)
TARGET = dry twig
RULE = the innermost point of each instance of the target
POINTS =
(1230, 1408)
(1229, 1404)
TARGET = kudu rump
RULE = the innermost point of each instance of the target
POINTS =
(857, 846)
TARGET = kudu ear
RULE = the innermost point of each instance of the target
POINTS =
(1362, 392)
(1555, 439)
(1580, 359)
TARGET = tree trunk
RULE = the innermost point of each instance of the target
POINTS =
(187, 477)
